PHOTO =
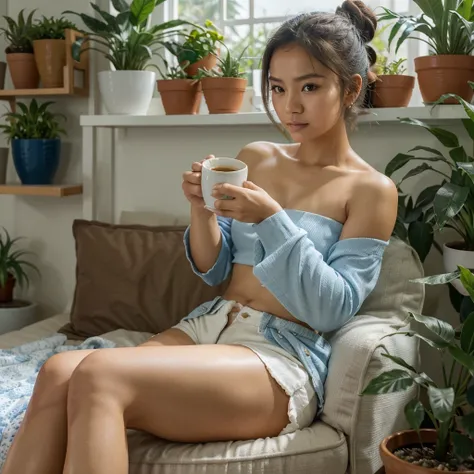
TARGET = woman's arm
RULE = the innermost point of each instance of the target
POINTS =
(327, 294)
(208, 245)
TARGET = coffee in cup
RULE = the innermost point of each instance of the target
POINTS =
(221, 170)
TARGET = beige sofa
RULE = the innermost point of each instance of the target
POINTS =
(346, 438)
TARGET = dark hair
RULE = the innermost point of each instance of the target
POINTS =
(338, 40)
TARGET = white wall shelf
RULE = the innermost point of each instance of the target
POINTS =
(438, 113)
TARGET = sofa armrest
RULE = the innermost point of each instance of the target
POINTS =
(355, 360)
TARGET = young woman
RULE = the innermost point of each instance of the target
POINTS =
(303, 240)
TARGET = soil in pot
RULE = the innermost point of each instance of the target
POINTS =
(393, 91)
(208, 62)
(23, 70)
(50, 56)
(402, 454)
(224, 95)
(443, 74)
(6, 292)
(180, 96)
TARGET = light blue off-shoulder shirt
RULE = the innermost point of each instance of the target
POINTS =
(320, 279)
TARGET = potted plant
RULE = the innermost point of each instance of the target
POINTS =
(34, 133)
(448, 445)
(199, 50)
(180, 94)
(49, 46)
(14, 314)
(447, 28)
(20, 57)
(129, 43)
(224, 86)
(392, 88)
(449, 204)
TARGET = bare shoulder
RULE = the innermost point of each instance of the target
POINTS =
(372, 208)
(258, 152)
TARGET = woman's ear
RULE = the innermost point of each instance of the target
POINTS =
(353, 94)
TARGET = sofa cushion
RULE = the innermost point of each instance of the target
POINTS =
(132, 277)
(316, 449)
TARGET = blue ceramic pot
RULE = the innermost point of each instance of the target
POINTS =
(36, 160)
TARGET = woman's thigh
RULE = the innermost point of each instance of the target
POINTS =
(194, 393)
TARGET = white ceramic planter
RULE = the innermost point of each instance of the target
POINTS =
(452, 258)
(14, 318)
(127, 92)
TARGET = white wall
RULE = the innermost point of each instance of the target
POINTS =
(148, 177)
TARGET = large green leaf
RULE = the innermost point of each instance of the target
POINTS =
(465, 359)
(468, 168)
(415, 171)
(421, 236)
(448, 201)
(431, 8)
(448, 139)
(468, 107)
(434, 151)
(96, 26)
(435, 344)
(414, 413)
(442, 402)
(441, 279)
(440, 328)
(398, 360)
(427, 196)
(120, 5)
(398, 162)
(459, 155)
(469, 126)
(462, 445)
(141, 10)
(467, 279)
(395, 380)
(467, 335)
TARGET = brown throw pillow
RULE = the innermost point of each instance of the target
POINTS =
(132, 277)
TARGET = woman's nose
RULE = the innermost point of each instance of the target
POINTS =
(293, 104)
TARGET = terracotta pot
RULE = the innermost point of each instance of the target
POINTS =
(393, 91)
(207, 62)
(23, 70)
(443, 74)
(3, 72)
(180, 96)
(395, 465)
(6, 292)
(224, 95)
(50, 56)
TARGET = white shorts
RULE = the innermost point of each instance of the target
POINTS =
(283, 367)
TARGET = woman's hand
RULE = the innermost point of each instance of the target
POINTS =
(249, 203)
(192, 185)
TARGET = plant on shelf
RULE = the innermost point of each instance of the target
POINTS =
(20, 58)
(129, 42)
(449, 444)
(180, 93)
(12, 267)
(34, 133)
(224, 85)
(448, 204)
(393, 88)
(447, 27)
(199, 49)
(49, 46)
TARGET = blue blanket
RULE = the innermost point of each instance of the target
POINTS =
(19, 368)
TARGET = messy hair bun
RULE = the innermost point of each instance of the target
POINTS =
(362, 17)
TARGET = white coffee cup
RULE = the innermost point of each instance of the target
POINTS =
(210, 176)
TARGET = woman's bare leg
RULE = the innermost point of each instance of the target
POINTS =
(40, 444)
(188, 394)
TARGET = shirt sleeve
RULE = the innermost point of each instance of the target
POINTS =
(323, 294)
(223, 265)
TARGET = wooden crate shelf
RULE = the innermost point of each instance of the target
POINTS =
(60, 190)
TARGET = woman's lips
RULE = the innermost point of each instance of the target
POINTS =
(296, 126)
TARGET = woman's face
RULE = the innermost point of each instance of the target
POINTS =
(306, 95)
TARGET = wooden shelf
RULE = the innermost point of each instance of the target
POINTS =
(10, 93)
(60, 190)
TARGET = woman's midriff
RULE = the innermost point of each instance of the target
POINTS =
(245, 288)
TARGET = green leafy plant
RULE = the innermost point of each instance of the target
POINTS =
(52, 28)
(198, 44)
(127, 40)
(450, 405)
(33, 121)
(12, 263)
(390, 68)
(174, 71)
(445, 25)
(448, 204)
(20, 33)
(227, 66)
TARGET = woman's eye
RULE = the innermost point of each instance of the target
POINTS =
(277, 89)
(310, 87)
